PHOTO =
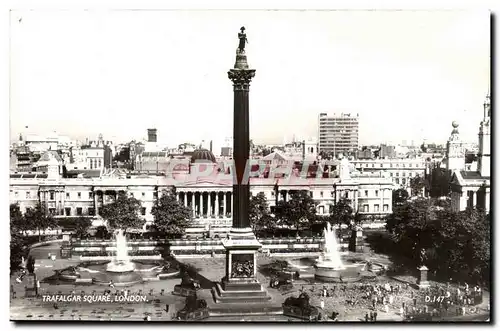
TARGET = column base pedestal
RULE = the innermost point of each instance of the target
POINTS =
(240, 292)
(240, 284)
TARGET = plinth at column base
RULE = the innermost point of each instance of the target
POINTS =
(239, 292)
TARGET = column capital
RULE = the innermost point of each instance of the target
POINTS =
(241, 78)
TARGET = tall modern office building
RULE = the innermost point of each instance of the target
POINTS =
(338, 133)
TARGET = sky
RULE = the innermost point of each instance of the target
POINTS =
(408, 74)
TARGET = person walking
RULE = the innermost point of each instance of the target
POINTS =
(322, 304)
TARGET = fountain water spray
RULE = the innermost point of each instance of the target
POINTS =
(330, 258)
(121, 261)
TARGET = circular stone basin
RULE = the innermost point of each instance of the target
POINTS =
(100, 274)
(350, 272)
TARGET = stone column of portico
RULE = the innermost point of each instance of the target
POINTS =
(209, 204)
(185, 199)
(217, 204)
(240, 284)
(224, 210)
(201, 203)
(474, 199)
(96, 206)
(193, 202)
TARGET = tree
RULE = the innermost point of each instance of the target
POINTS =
(79, 225)
(171, 217)
(456, 244)
(342, 213)
(298, 211)
(259, 213)
(417, 184)
(123, 213)
(16, 238)
(399, 197)
(38, 219)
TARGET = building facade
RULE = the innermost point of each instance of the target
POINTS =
(338, 133)
(208, 197)
(400, 171)
(471, 189)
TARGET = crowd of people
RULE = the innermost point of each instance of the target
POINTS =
(397, 297)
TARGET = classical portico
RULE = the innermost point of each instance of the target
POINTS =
(207, 205)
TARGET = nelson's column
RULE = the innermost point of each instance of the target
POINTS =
(240, 285)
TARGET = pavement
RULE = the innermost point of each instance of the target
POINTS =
(211, 270)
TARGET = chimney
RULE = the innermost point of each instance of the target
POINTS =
(152, 136)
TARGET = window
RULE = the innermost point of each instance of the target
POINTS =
(67, 211)
(366, 193)
(28, 195)
(321, 210)
(376, 193)
(332, 194)
(403, 181)
(143, 211)
(91, 195)
(79, 195)
(52, 195)
(155, 195)
(381, 165)
(397, 174)
(386, 207)
(132, 194)
(311, 194)
(411, 165)
(143, 194)
(403, 174)
(346, 194)
(91, 211)
(391, 174)
(321, 194)
(397, 165)
(373, 165)
(397, 180)
(52, 211)
(79, 211)
(272, 193)
(366, 208)
(67, 195)
(376, 208)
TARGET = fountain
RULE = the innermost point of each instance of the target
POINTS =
(329, 266)
(121, 262)
(121, 271)
(330, 258)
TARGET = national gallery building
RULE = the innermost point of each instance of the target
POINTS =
(208, 195)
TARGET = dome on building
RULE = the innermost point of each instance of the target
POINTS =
(202, 156)
(454, 124)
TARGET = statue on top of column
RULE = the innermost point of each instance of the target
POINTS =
(243, 40)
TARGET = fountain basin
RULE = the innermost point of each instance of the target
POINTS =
(326, 272)
(99, 273)
(349, 273)
(122, 266)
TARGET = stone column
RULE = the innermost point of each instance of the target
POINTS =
(201, 203)
(193, 202)
(209, 204)
(355, 200)
(185, 199)
(240, 284)
(474, 199)
(217, 204)
(96, 203)
(224, 204)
